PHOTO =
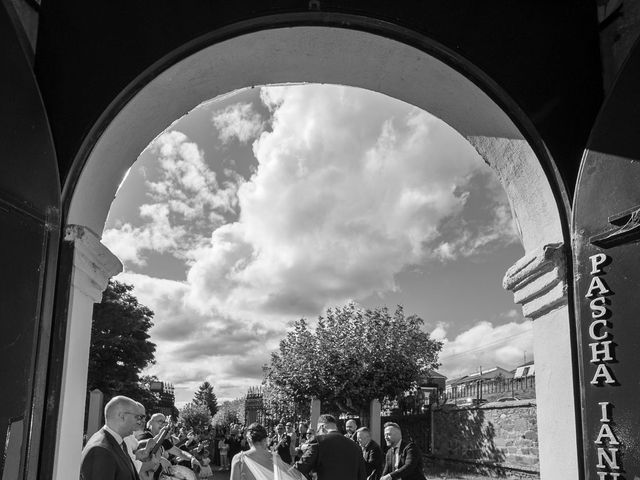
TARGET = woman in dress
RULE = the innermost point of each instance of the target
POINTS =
(260, 463)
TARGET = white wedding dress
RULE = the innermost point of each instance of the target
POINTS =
(250, 469)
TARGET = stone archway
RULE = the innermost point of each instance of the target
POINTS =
(410, 70)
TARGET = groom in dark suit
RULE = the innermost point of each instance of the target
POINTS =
(404, 460)
(105, 456)
(331, 455)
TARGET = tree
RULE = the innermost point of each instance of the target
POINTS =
(120, 347)
(205, 396)
(230, 412)
(150, 400)
(353, 356)
(163, 402)
(195, 417)
(278, 404)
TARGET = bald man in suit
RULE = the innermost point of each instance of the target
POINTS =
(105, 456)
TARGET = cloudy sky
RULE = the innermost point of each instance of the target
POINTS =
(273, 203)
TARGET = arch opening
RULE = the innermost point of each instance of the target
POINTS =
(354, 58)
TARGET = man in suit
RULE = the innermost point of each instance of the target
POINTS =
(293, 439)
(404, 460)
(371, 452)
(331, 455)
(281, 443)
(301, 438)
(105, 456)
(351, 426)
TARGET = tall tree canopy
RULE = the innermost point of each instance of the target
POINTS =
(230, 412)
(205, 396)
(354, 355)
(120, 346)
(278, 405)
(195, 417)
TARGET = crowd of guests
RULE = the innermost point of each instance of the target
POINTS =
(327, 454)
(130, 447)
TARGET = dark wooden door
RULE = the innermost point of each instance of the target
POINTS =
(606, 246)
(29, 236)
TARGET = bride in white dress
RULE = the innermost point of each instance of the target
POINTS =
(260, 463)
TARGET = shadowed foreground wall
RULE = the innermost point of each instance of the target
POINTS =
(501, 436)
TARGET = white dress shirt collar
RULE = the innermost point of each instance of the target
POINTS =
(114, 433)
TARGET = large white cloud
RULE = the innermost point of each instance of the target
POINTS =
(350, 187)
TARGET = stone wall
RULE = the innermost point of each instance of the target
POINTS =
(503, 436)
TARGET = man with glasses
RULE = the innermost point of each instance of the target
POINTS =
(105, 456)
(132, 440)
(154, 425)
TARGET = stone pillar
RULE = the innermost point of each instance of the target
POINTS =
(93, 266)
(538, 284)
(95, 420)
(315, 413)
(374, 420)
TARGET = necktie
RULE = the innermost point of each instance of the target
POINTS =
(396, 458)
(123, 445)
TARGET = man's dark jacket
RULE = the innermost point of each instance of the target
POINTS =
(104, 459)
(410, 465)
(373, 460)
(333, 457)
(283, 447)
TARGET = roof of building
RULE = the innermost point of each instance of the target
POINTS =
(530, 362)
(432, 377)
(472, 377)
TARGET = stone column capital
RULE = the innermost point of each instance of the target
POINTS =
(94, 264)
(538, 280)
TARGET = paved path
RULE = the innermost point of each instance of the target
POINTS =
(220, 475)
(224, 475)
